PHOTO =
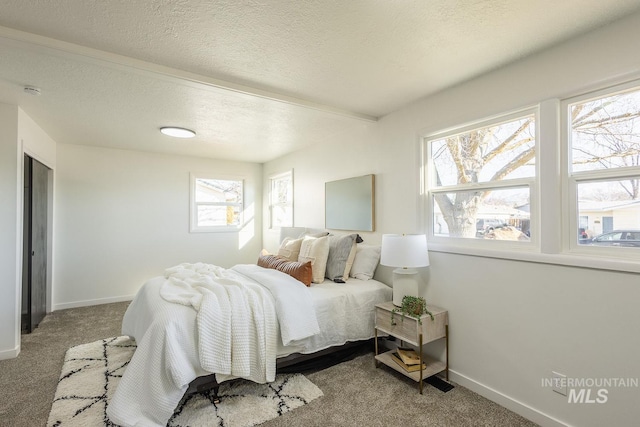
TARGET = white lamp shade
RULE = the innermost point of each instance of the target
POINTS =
(404, 250)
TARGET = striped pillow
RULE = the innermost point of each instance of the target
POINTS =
(300, 271)
(342, 251)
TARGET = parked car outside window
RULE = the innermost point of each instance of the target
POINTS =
(485, 225)
(628, 238)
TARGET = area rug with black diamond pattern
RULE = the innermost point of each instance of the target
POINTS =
(91, 373)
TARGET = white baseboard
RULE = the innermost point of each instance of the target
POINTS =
(13, 353)
(86, 303)
(501, 399)
(9, 354)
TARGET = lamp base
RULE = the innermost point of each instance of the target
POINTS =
(404, 284)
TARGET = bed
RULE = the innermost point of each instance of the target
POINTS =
(174, 350)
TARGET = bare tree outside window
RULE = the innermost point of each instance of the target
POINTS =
(605, 136)
(504, 151)
(470, 167)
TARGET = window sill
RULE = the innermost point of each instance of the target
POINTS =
(215, 230)
(570, 259)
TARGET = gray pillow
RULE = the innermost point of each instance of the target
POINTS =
(342, 251)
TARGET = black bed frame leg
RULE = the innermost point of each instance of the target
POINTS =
(205, 384)
(216, 397)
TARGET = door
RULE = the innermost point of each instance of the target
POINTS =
(607, 224)
(34, 271)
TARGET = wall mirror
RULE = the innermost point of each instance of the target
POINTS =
(349, 204)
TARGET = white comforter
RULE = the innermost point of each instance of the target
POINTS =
(236, 314)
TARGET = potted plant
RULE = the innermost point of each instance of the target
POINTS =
(413, 307)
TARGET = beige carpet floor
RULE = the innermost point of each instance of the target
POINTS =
(355, 392)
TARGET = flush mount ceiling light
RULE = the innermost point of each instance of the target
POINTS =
(177, 132)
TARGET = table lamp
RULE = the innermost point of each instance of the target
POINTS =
(407, 252)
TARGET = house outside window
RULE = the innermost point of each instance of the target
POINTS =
(480, 181)
(603, 170)
(216, 204)
(281, 200)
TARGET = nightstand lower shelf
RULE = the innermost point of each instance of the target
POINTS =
(416, 331)
(433, 366)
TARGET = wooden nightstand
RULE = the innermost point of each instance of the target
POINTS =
(418, 333)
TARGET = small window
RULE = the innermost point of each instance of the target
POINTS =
(281, 200)
(481, 180)
(604, 166)
(216, 204)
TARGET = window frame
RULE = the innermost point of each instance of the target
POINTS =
(193, 204)
(272, 205)
(571, 179)
(552, 212)
(471, 245)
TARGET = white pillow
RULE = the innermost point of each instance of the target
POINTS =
(316, 250)
(290, 248)
(365, 262)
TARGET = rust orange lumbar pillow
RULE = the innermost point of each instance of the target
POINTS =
(300, 271)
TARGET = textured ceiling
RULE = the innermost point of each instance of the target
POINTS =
(259, 79)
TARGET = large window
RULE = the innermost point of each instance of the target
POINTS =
(559, 183)
(281, 200)
(603, 169)
(481, 178)
(216, 204)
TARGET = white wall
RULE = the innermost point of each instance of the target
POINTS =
(512, 322)
(35, 141)
(122, 217)
(9, 193)
(348, 155)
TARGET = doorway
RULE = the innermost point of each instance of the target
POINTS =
(34, 253)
